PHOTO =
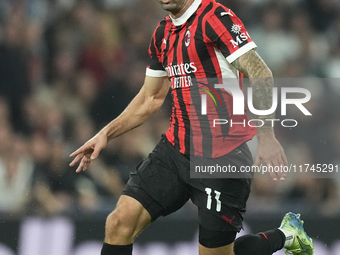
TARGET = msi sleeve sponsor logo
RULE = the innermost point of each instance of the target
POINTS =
(181, 69)
(242, 37)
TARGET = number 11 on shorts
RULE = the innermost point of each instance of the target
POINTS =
(217, 198)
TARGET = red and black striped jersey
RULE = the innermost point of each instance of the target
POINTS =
(193, 51)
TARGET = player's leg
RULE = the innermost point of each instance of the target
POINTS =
(154, 189)
(221, 203)
(219, 219)
(291, 235)
(222, 243)
(123, 225)
(216, 242)
(258, 244)
(245, 245)
(126, 221)
(265, 243)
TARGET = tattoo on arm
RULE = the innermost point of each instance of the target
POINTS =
(263, 100)
(261, 80)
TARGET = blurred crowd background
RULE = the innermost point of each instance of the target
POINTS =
(68, 67)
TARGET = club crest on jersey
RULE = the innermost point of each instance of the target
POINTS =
(187, 38)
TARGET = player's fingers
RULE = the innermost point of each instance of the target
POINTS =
(282, 162)
(277, 164)
(281, 174)
(76, 159)
(80, 150)
(81, 165)
(87, 163)
(95, 152)
(280, 167)
(272, 166)
(285, 162)
(273, 176)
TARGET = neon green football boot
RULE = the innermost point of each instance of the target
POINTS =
(302, 243)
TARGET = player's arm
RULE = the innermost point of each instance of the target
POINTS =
(149, 99)
(146, 102)
(261, 80)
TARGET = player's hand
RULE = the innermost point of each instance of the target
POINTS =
(88, 152)
(271, 152)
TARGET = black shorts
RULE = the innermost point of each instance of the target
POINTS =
(162, 184)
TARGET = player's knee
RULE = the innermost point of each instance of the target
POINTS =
(118, 225)
(215, 239)
(248, 244)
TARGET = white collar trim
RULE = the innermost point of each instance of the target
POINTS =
(187, 14)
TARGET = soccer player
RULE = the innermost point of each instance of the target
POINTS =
(198, 40)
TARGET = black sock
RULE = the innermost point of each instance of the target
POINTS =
(265, 243)
(109, 249)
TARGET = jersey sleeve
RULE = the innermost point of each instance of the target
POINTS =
(155, 68)
(228, 34)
